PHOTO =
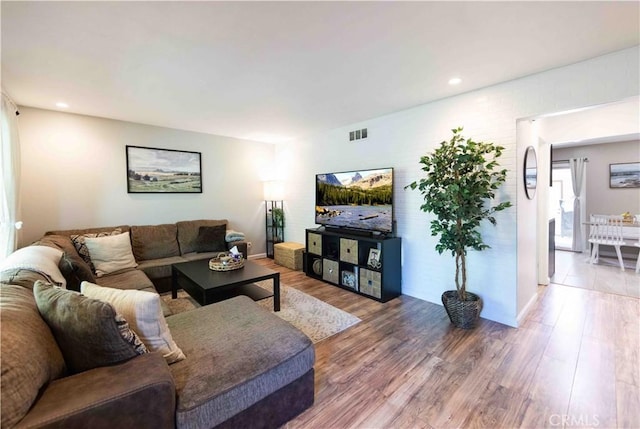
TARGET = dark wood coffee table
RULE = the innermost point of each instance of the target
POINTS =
(207, 286)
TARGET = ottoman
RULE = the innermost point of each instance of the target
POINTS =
(288, 255)
(245, 367)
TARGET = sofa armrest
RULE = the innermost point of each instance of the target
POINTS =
(138, 393)
(242, 247)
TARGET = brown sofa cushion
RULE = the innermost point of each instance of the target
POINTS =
(132, 279)
(159, 268)
(154, 241)
(30, 356)
(86, 330)
(21, 277)
(188, 231)
(81, 231)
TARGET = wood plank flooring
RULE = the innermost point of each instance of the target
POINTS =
(575, 363)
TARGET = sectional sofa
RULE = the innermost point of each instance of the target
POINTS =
(242, 367)
(155, 248)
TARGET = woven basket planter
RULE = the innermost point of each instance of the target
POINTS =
(463, 314)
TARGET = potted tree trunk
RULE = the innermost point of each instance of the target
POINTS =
(462, 176)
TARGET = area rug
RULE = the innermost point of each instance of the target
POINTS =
(317, 319)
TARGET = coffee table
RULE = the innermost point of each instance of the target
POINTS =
(207, 286)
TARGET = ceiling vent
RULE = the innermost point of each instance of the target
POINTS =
(358, 134)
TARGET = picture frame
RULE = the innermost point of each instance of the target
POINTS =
(624, 175)
(349, 279)
(153, 170)
(374, 258)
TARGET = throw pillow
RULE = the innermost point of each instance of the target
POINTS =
(211, 239)
(41, 259)
(72, 266)
(143, 311)
(78, 242)
(130, 336)
(111, 253)
(86, 330)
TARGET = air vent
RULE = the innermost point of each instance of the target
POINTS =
(358, 134)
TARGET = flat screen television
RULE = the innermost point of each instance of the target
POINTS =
(360, 200)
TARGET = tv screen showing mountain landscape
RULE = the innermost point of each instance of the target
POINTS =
(356, 199)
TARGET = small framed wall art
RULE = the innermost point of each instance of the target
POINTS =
(151, 170)
(624, 175)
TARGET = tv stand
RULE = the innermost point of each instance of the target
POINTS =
(362, 263)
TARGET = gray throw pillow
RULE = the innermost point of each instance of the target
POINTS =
(88, 331)
(72, 266)
(211, 239)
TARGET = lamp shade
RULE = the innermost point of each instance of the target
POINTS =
(273, 190)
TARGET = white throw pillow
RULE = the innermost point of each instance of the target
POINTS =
(41, 259)
(143, 312)
(111, 253)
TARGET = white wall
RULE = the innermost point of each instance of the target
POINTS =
(615, 119)
(74, 175)
(527, 219)
(398, 140)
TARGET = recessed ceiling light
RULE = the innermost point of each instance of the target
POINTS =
(62, 105)
(454, 81)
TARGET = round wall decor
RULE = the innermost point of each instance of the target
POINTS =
(530, 172)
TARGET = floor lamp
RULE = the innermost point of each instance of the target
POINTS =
(274, 214)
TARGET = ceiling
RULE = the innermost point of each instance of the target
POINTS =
(272, 71)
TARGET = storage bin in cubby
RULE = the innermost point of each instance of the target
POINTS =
(314, 243)
(349, 250)
(330, 271)
(370, 283)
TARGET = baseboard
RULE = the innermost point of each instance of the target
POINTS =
(527, 308)
(257, 256)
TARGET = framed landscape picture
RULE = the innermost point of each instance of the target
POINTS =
(151, 170)
(624, 175)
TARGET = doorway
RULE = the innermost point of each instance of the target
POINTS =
(561, 204)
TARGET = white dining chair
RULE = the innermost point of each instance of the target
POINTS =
(607, 231)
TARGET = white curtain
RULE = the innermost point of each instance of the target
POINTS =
(577, 179)
(10, 174)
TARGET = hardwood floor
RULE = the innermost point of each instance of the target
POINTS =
(575, 362)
